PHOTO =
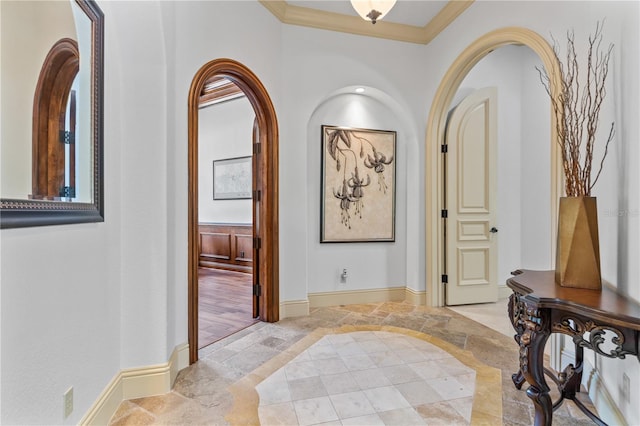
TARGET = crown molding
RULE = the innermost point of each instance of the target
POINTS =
(446, 16)
(307, 17)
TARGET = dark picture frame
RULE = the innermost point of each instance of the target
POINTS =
(28, 212)
(232, 178)
(358, 185)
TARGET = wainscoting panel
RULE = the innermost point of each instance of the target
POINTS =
(214, 245)
(226, 246)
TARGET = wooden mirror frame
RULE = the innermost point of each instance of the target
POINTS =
(19, 213)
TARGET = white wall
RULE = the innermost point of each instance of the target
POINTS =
(369, 265)
(618, 189)
(225, 131)
(535, 169)
(123, 302)
(139, 72)
(321, 69)
(61, 305)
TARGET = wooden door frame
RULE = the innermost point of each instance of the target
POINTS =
(267, 184)
(436, 125)
(56, 77)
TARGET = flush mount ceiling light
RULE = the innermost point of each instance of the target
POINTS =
(372, 10)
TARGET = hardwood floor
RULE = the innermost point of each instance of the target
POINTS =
(225, 304)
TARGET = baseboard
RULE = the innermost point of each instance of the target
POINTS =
(106, 405)
(137, 383)
(294, 308)
(415, 297)
(333, 298)
(297, 308)
(504, 292)
(607, 408)
(179, 359)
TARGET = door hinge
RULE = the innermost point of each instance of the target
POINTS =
(444, 148)
(257, 289)
(444, 213)
(257, 147)
(256, 195)
(256, 243)
(67, 192)
(67, 137)
(445, 278)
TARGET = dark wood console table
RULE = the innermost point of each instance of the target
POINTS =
(602, 321)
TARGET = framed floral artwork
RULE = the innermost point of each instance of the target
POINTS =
(358, 185)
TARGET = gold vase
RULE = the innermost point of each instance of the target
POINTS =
(578, 247)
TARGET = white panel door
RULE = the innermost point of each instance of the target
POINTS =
(471, 260)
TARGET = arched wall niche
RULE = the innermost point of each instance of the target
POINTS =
(371, 265)
(267, 183)
(436, 126)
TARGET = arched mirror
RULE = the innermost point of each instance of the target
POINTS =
(51, 103)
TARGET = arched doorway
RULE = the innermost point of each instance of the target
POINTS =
(54, 99)
(265, 191)
(436, 132)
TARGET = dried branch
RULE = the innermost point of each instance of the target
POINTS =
(577, 110)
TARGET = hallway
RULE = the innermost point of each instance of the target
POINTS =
(225, 304)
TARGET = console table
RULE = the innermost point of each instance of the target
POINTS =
(599, 320)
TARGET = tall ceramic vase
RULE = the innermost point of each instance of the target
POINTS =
(578, 247)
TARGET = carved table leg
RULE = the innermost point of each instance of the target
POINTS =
(518, 379)
(532, 344)
(543, 406)
(515, 316)
(572, 376)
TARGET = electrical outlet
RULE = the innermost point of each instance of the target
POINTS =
(626, 387)
(68, 402)
(343, 276)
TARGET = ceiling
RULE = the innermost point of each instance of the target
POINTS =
(416, 13)
(414, 21)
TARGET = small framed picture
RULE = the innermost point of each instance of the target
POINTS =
(232, 178)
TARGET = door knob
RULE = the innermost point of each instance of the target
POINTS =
(493, 230)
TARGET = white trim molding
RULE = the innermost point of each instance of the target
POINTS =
(137, 383)
(294, 308)
(334, 298)
(299, 308)
(605, 404)
(415, 297)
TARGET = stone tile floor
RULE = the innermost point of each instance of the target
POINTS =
(224, 386)
(370, 375)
